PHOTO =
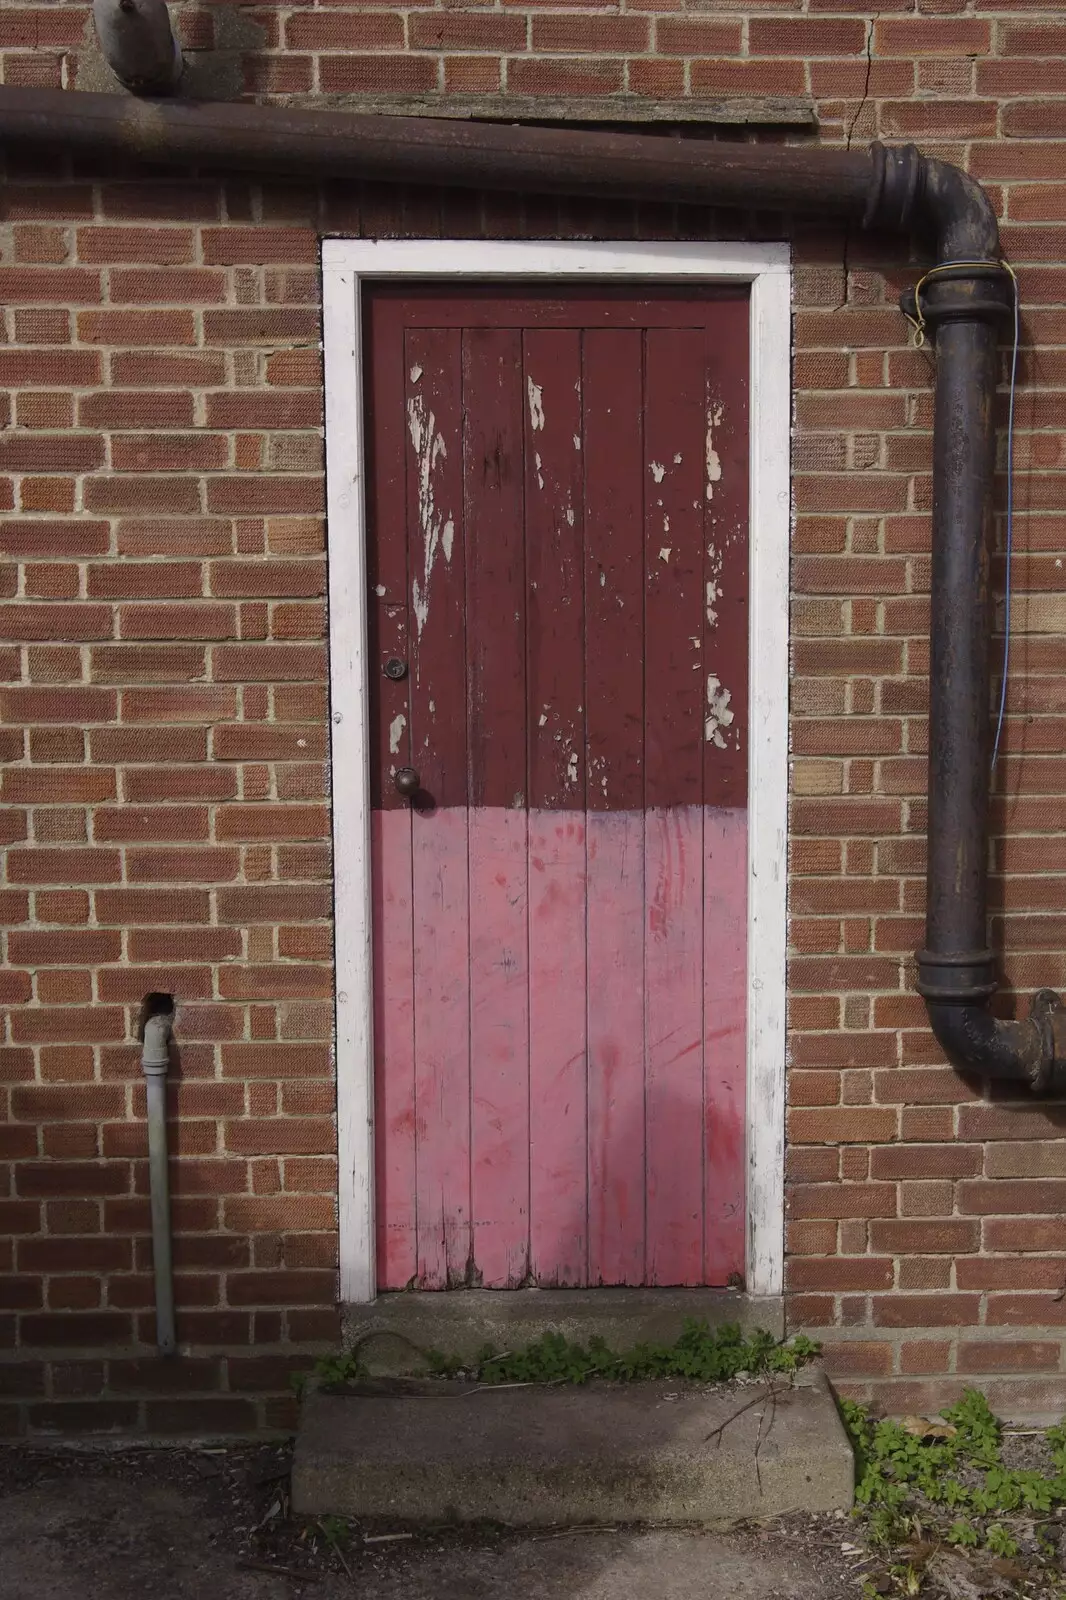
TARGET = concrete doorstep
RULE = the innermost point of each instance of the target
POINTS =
(429, 1452)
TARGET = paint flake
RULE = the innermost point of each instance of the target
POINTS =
(380, 590)
(437, 531)
(570, 515)
(571, 768)
(714, 463)
(536, 405)
(396, 727)
(658, 472)
(540, 475)
(677, 459)
(577, 441)
(719, 715)
(416, 373)
(664, 552)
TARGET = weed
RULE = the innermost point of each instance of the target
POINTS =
(953, 1466)
(701, 1354)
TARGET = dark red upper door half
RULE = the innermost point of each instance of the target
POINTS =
(559, 598)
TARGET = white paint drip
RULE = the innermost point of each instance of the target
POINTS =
(719, 715)
(536, 405)
(714, 464)
(540, 477)
(577, 441)
(436, 530)
(396, 727)
(658, 472)
(416, 373)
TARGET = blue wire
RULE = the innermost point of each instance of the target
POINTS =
(1010, 522)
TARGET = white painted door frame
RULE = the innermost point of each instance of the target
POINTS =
(346, 263)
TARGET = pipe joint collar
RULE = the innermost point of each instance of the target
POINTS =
(960, 291)
(960, 979)
(895, 187)
(155, 1053)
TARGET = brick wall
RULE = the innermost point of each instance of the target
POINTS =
(163, 704)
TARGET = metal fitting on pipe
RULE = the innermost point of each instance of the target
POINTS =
(139, 46)
(157, 1032)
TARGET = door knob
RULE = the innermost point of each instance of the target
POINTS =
(407, 782)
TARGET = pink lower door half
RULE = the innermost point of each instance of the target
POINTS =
(557, 493)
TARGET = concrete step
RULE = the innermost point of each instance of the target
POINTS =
(392, 1333)
(664, 1452)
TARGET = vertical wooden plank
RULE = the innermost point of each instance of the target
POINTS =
(439, 819)
(555, 702)
(673, 965)
(725, 955)
(614, 678)
(725, 785)
(499, 970)
(394, 1081)
(394, 1051)
(725, 501)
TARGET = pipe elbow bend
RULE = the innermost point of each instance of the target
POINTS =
(1031, 1051)
(908, 188)
(960, 212)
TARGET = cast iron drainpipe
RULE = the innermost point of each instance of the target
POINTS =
(963, 302)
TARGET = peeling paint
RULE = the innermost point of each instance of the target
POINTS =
(677, 459)
(719, 715)
(577, 441)
(714, 463)
(570, 515)
(542, 720)
(396, 727)
(536, 405)
(437, 531)
(658, 471)
(603, 580)
(664, 552)
(380, 590)
(416, 373)
(540, 475)
(571, 768)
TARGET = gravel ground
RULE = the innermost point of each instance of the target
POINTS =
(211, 1523)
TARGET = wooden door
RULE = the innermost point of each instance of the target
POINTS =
(557, 492)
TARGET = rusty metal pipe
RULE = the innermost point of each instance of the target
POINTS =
(963, 302)
(422, 150)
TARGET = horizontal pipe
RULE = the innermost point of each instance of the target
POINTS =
(895, 189)
(426, 151)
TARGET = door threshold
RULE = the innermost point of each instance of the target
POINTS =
(395, 1329)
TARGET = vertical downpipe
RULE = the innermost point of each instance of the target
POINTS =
(960, 642)
(155, 1060)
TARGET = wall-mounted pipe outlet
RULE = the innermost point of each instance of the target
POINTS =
(138, 44)
(157, 1028)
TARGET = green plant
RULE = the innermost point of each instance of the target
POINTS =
(999, 1541)
(963, 1533)
(701, 1354)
